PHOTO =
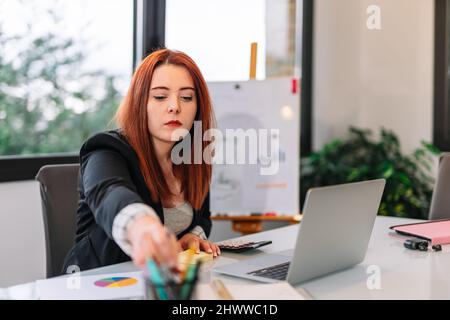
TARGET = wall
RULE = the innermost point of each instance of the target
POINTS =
(373, 78)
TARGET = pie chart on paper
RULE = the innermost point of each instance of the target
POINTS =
(116, 282)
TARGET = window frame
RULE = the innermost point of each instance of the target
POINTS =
(149, 35)
(441, 117)
(306, 102)
(19, 168)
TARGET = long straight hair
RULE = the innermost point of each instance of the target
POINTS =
(132, 118)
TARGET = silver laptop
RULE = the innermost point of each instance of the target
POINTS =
(333, 235)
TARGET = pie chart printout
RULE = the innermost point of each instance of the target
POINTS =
(116, 282)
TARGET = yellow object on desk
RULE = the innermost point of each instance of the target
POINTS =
(187, 257)
(221, 290)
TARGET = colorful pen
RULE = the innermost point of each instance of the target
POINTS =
(156, 279)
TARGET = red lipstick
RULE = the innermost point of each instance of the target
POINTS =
(173, 123)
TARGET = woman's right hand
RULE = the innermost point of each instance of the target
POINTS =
(150, 239)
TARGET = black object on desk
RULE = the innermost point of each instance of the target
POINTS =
(420, 244)
(240, 246)
(416, 244)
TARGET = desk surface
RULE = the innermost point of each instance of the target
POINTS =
(295, 218)
(404, 274)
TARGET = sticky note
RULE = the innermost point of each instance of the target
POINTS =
(183, 257)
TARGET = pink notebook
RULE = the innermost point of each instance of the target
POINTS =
(438, 231)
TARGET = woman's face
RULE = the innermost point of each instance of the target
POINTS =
(172, 102)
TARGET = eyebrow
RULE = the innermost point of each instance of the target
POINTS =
(165, 88)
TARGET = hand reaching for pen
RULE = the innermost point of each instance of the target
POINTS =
(190, 240)
(150, 239)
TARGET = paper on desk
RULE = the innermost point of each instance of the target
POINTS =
(272, 291)
(66, 288)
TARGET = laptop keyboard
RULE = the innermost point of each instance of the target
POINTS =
(277, 272)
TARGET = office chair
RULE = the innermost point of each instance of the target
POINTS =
(440, 202)
(59, 198)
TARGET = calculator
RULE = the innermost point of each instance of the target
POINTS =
(240, 245)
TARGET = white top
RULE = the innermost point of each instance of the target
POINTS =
(177, 219)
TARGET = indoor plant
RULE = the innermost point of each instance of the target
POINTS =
(409, 178)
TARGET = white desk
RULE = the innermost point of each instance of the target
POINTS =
(405, 274)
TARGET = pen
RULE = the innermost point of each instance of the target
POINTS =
(188, 283)
(170, 275)
(170, 281)
(221, 290)
(156, 279)
(195, 277)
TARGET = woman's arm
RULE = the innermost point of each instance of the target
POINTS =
(109, 189)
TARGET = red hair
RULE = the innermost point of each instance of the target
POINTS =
(133, 120)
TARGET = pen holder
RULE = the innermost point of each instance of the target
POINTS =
(169, 290)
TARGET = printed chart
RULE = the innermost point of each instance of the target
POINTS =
(116, 282)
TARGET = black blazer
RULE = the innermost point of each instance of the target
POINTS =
(110, 179)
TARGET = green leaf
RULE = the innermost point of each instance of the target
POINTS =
(359, 157)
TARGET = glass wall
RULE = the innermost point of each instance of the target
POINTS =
(64, 67)
(218, 34)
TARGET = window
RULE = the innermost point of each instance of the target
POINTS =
(217, 34)
(64, 67)
(63, 75)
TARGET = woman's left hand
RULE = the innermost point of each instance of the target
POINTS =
(191, 241)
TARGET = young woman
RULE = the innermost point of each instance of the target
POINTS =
(134, 202)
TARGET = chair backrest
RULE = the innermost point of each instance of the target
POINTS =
(440, 202)
(59, 197)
